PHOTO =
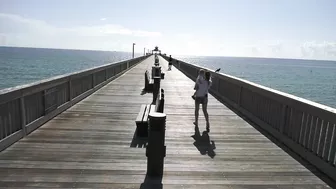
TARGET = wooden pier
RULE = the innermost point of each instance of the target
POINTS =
(93, 145)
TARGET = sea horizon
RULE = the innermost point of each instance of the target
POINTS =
(176, 55)
(310, 79)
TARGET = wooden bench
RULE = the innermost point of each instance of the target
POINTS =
(149, 82)
(145, 109)
(142, 119)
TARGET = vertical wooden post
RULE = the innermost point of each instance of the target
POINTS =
(70, 89)
(113, 71)
(332, 147)
(283, 118)
(239, 95)
(93, 80)
(23, 116)
(156, 149)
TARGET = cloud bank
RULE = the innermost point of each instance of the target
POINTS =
(17, 30)
(287, 49)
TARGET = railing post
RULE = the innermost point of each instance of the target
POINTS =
(218, 84)
(283, 118)
(239, 95)
(113, 71)
(106, 77)
(70, 89)
(23, 116)
(156, 149)
(93, 80)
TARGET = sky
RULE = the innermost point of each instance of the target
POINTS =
(249, 28)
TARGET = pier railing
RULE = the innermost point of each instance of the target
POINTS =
(25, 108)
(306, 127)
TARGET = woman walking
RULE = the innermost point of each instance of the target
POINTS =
(201, 94)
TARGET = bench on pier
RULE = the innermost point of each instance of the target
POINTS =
(149, 82)
(145, 109)
(142, 119)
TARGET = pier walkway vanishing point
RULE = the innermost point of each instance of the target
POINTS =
(93, 145)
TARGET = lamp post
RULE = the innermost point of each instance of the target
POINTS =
(144, 51)
(133, 51)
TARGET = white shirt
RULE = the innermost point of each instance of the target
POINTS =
(199, 80)
(203, 88)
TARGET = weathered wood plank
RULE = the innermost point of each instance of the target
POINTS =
(145, 118)
(88, 146)
(141, 113)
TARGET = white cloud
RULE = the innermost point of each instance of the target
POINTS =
(141, 33)
(292, 49)
(102, 19)
(314, 49)
(14, 24)
(3, 39)
(188, 44)
(19, 31)
(252, 51)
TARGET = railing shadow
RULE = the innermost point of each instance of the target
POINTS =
(203, 143)
(290, 152)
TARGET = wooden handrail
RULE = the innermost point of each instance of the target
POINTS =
(306, 127)
(24, 108)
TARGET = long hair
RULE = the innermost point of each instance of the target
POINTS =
(207, 76)
(201, 72)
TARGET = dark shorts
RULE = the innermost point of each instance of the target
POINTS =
(201, 100)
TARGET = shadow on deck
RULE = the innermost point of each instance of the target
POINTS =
(93, 145)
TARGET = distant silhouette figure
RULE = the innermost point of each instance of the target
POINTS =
(170, 63)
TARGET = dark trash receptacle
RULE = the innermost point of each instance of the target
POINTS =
(162, 75)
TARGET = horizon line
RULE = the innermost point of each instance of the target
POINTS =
(55, 48)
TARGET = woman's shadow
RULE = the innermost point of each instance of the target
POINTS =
(203, 143)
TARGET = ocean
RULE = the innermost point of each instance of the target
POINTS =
(311, 79)
(25, 65)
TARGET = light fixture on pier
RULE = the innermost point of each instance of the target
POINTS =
(133, 51)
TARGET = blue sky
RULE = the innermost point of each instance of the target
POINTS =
(256, 28)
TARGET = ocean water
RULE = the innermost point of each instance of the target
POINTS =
(311, 79)
(25, 65)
